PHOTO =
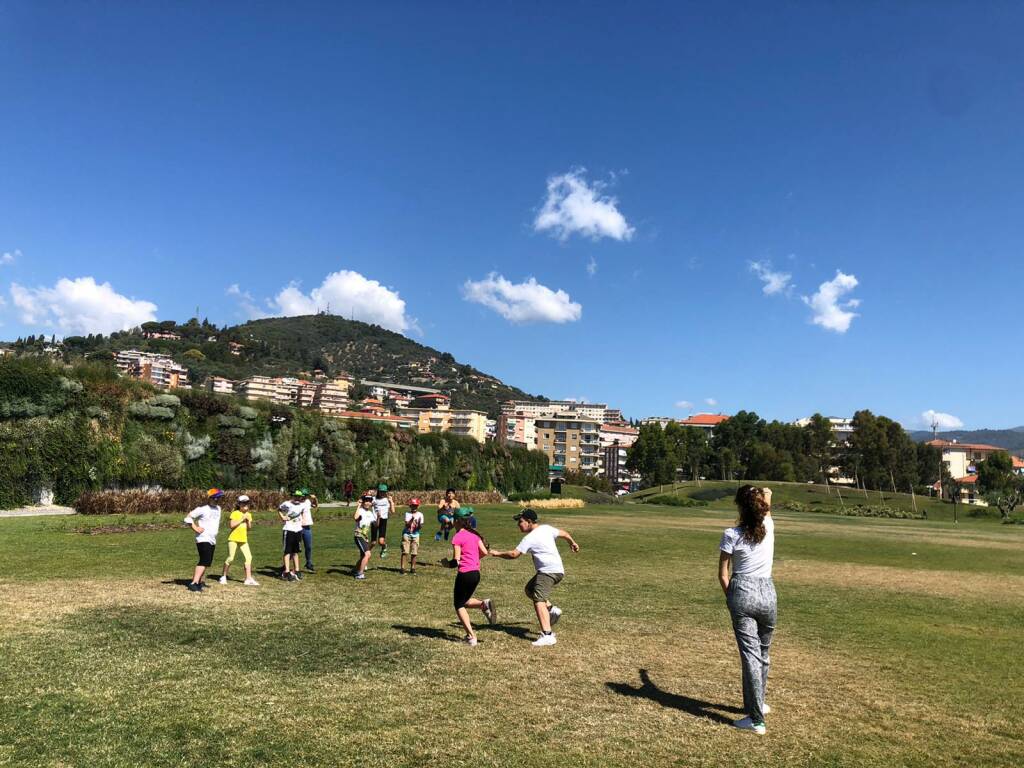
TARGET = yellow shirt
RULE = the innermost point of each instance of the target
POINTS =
(240, 534)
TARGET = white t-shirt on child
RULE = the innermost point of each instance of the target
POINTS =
(206, 517)
(749, 559)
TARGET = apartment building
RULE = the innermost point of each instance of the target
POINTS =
(704, 421)
(572, 443)
(962, 459)
(460, 422)
(158, 370)
(329, 397)
(221, 386)
(571, 408)
(842, 428)
(385, 390)
(614, 464)
(615, 434)
(275, 389)
(400, 422)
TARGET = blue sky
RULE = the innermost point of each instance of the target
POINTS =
(585, 199)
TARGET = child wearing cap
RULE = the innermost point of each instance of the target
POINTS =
(240, 523)
(290, 513)
(383, 506)
(411, 536)
(204, 521)
(469, 547)
(365, 518)
(309, 502)
(541, 542)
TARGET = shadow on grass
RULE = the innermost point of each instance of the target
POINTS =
(179, 582)
(433, 633)
(695, 707)
(514, 629)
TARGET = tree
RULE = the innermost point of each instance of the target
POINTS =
(998, 483)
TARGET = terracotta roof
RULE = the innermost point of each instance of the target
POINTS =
(1018, 463)
(969, 480)
(704, 420)
(966, 446)
(367, 416)
(620, 429)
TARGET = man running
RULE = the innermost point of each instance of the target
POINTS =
(541, 542)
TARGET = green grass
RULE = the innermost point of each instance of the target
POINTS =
(897, 645)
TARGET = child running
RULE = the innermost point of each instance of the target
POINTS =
(240, 524)
(541, 542)
(365, 518)
(446, 514)
(411, 536)
(383, 506)
(205, 521)
(469, 547)
(291, 515)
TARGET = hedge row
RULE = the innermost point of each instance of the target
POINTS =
(554, 503)
(165, 502)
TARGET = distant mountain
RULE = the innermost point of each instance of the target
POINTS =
(296, 346)
(1010, 439)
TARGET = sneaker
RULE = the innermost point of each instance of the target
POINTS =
(746, 724)
(383, 553)
(297, 576)
(310, 568)
(544, 640)
(766, 709)
(412, 572)
(192, 587)
(360, 576)
(555, 613)
(489, 611)
(251, 583)
(471, 641)
(437, 537)
(222, 580)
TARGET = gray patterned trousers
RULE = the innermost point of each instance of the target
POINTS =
(753, 605)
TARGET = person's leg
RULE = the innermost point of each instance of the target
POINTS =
(414, 549)
(743, 601)
(232, 549)
(765, 631)
(307, 543)
(544, 617)
(535, 591)
(247, 555)
(197, 574)
(463, 615)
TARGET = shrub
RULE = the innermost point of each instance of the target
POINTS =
(675, 501)
(165, 502)
(554, 503)
(530, 496)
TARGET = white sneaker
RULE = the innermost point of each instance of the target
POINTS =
(251, 583)
(223, 580)
(471, 641)
(489, 612)
(766, 709)
(544, 640)
(555, 613)
(746, 724)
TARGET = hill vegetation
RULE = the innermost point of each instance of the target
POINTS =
(80, 428)
(295, 346)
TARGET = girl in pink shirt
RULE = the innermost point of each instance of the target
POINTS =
(469, 546)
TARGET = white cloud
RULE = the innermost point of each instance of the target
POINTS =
(575, 207)
(81, 305)
(9, 257)
(592, 266)
(774, 282)
(940, 420)
(526, 302)
(684, 405)
(829, 312)
(710, 401)
(250, 309)
(348, 294)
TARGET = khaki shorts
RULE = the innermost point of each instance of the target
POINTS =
(539, 587)
(410, 544)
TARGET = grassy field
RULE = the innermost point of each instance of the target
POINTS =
(897, 645)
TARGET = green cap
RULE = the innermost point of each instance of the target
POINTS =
(463, 513)
(300, 492)
(382, 487)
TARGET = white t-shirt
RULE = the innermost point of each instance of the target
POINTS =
(542, 544)
(364, 519)
(293, 512)
(206, 517)
(750, 559)
(382, 507)
(307, 512)
(409, 517)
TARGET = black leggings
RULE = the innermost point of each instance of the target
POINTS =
(465, 585)
(205, 553)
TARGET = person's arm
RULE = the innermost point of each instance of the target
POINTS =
(355, 515)
(248, 520)
(724, 559)
(512, 554)
(313, 500)
(483, 548)
(568, 537)
(232, 524)
(193, 524)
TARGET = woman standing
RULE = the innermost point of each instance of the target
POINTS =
(469, 547)
(749, 548)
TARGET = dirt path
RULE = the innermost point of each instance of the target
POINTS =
(36, 511)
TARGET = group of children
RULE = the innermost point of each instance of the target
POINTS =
(371, 520)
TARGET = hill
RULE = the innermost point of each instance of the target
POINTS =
(297, 346)
(1009, 439)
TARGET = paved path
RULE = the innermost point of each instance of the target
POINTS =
(34, 511)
